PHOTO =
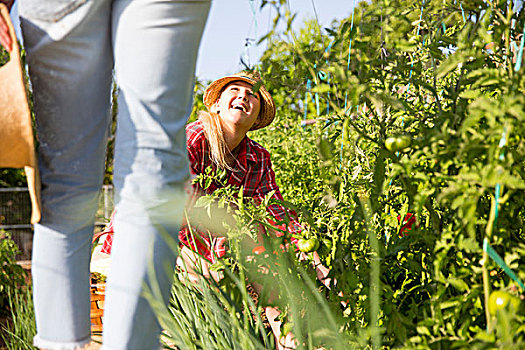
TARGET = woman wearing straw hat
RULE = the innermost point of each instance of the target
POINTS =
(218, 139)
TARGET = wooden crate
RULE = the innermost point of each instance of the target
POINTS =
(98, 292)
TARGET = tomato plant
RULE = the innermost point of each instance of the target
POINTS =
(412, 126)
(421, 79)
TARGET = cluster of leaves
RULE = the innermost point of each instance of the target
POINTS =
(226, 304)
(12, 275)
(20, 331)
(447, 75)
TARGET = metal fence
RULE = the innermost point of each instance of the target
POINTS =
(15, 215)
(106, 204)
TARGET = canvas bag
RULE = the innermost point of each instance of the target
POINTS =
(17, 148)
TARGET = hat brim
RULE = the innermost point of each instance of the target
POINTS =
(214, 90)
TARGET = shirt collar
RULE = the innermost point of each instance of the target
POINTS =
(246, 153)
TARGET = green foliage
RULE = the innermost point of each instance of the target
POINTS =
(203, 317)
(12, 178)
(110, 145)
(198, 103)
(19, 333)
(4, 56)
(210, 315)
(418, 70)
(11, 274)
(443, 73)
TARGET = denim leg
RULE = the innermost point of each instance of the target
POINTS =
(71, 81)
(155, 47)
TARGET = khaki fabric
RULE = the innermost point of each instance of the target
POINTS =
(17, 149)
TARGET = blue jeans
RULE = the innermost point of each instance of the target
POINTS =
(72, 47)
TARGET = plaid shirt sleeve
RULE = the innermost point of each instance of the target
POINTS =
(196, 145)
(267, 184)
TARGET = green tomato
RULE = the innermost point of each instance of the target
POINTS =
(390, 144)
(308, 245)
(397, 143)
(403, 142)
(499, 300)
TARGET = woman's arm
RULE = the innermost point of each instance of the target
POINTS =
(267, 184)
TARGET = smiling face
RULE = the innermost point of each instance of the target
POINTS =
(238, 107)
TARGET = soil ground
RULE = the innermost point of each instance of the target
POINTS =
(95, 343)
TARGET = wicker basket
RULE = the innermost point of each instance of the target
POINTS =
(98, 291)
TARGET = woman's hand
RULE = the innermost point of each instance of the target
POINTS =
(192, 266)
(322, 272)
(283, 341)
(5, 37)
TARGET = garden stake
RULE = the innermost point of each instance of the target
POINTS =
(248, 42)
(350, 48)
(462, 12)
(316, 18)
(317, 104)
(350, 43)
(342, 145)
(501, 263)
(412, 64)
(374, 277)
(485, 273)
(520, 53)
(316, 94)
(488, 233)
(346, 94)
(308, 88)
(326, 77)
(502, 143)
(254, 14)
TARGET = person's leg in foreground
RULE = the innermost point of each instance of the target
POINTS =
(70, 55)
(155, 47)
(71, 79)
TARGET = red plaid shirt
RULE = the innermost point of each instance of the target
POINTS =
(252, 170)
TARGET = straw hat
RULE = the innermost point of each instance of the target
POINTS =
(213, 91)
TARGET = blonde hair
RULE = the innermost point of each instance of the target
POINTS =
(219, 151)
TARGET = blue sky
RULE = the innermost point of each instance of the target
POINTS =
(230, 22)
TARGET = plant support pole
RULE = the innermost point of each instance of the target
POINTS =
(374, 292)
(484, 262)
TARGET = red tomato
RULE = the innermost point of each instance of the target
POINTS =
(408, 222)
